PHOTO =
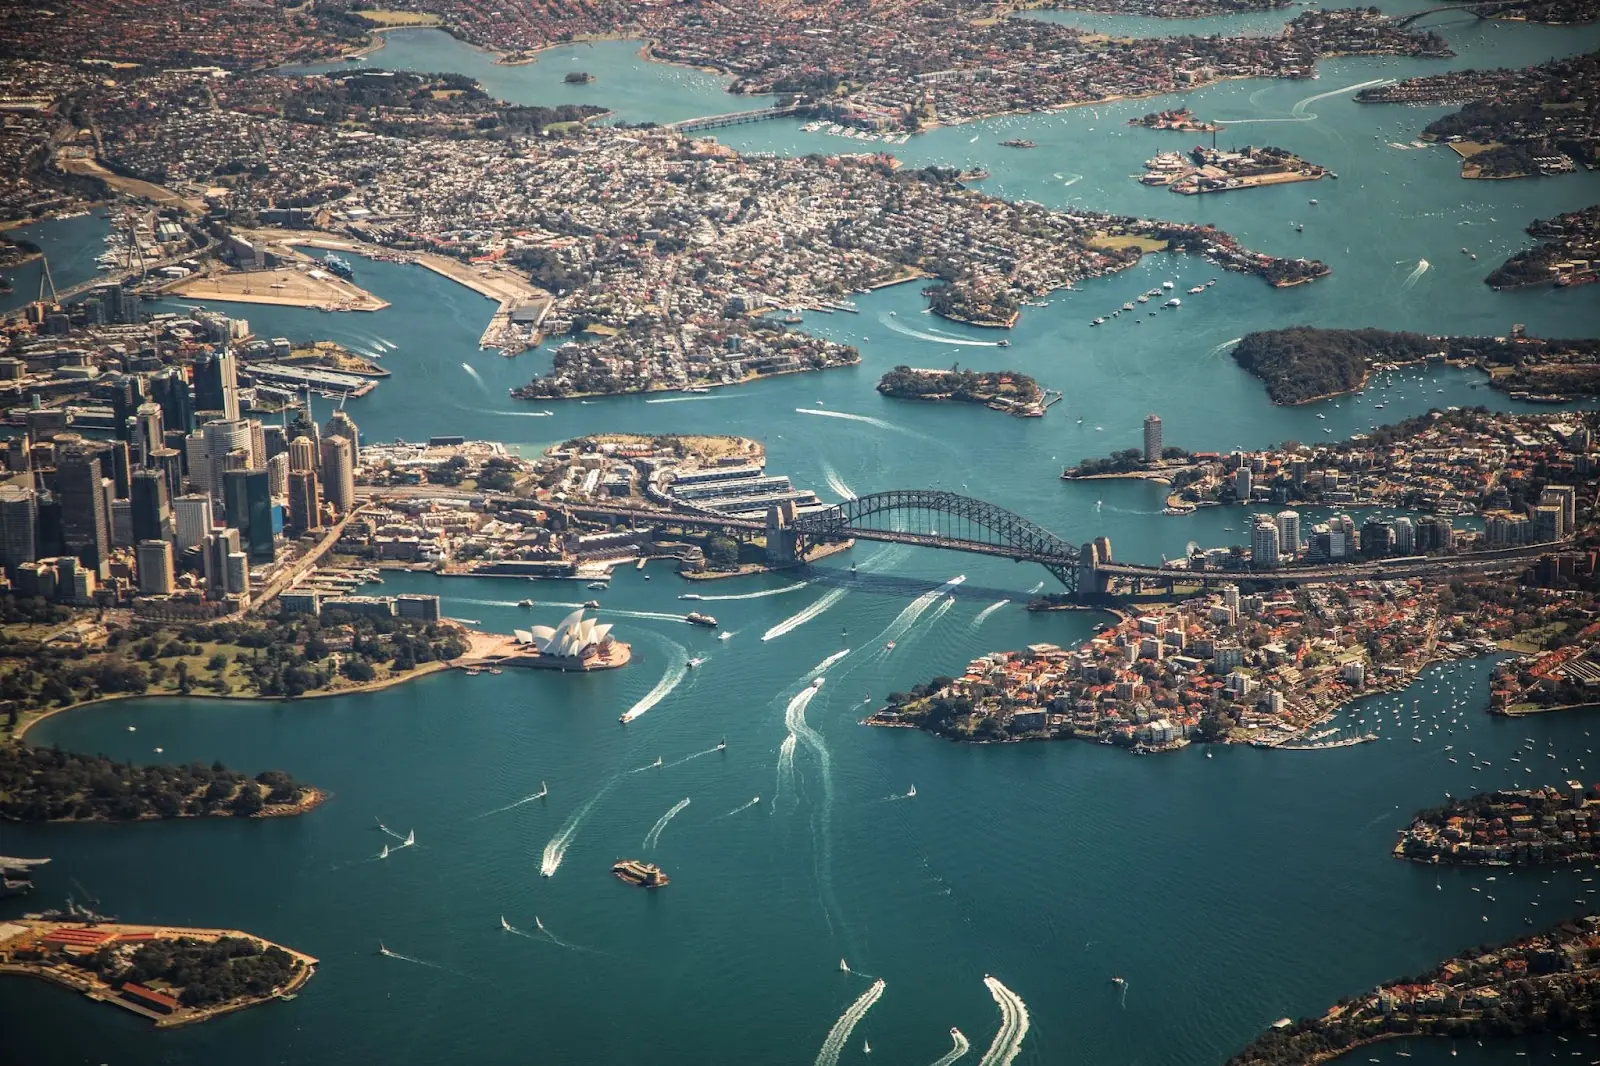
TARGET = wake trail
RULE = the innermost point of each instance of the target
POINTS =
(1300, 113)
(684, 399)
(743, 807)
(840, 1033)
(797, 586)
(556, 850)
(651, 838)
(959, 1047)
(836, 483)
(659, 616)
(420, 962)
(795, 621)
(785, 769)
(1224, 346)
(517, 414)
(512, 806)
(1036, 588)
(391, 832)
(933, 338)
(687, 758)
(1412, 278)
(676, 672)
(984, 614)
(817, 670)
(867, 419)
(474, 375)
(1013, 1025)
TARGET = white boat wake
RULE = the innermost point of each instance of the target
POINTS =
(657, 616)
(763, 594)
(652, 837)
(684, 399)
(742, 807)
(474, 374)
(556, 850)
(541, 794)
(959, 1047)
(984, 614)
(933, 338)
(419, 962)
(785, 769)
(1300, 113)
(840, 1033)
(939, 612)
(676, 672)
(915, 609)
(795, 621)
(1013, 1025)
(836, 483)
(520, 414)
(1412, 278)
(686, 758)
(817, 670)
(1036, 588)
(847, 416)
(1224, 346)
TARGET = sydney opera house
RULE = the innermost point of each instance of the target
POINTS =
(578, 643)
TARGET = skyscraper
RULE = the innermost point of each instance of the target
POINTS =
(155, 567)
(304, 426)
(193, 519)
(170, 462)
(1405, 536)
(152, 431)
(171, 390)
(248, 496)
(338, 473)
(150, 508)
(216, 384)
(85, 518)
(304, 504)
(1289, 532)
(220, 546)
(1243, 483)
(1152, 437)
(302, 455)
(343, 425)
(19, 525)
(1264, 544)
(278, 474)
(222, 438)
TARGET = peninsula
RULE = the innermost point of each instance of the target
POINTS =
(171, 975)
(1568, 253)
(50, 785)
(1514, 123)
(999, 390)
(1303, 364)
(1545, 983)
(1524, 827)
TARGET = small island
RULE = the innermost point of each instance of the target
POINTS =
(1525, 827)
(974, 304)
(1545, 983)
(1180, 119)
(1568, 254)
(1303, 364)
(1207, 170)
(1131, 463)
(999, 390)
(578, 77)
(51, 785)
(172, 976)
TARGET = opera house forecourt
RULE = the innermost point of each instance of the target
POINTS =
(578, 643)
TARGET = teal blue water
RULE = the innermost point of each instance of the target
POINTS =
(1227, 891)
(70, 245)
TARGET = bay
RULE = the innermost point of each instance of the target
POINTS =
(1226, 891)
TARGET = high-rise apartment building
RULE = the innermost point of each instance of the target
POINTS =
(19, 525)
(1152, 437)
(154, 558)
(338, 473)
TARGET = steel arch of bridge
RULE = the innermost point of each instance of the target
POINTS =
(936, 519)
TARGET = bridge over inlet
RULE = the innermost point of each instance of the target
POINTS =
(1481, 11)
(735, 118)
(931, 518)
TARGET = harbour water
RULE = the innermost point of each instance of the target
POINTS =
(1227, 892)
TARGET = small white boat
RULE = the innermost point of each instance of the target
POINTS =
(505, 924)
(696, 661)
(657, 762)
(817, 683)
(411, 838)
(912, 791)
(844, 967)
(384, 854)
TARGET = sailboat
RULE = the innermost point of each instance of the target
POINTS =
(912, 791)
(544, 790)
(383, 950)
(657, 762)
(384, 854)
(722, 744)
(411, 838)
(866, 1047)
(844, 967)
(505, 924)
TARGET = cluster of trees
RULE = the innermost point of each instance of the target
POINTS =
(969, 386)
(964, 302)
(1302, 363)
(380, 102)
(1124, 461)
(45, 784)
(1566, 237)
(206, 972)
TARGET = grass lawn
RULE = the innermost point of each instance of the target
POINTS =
(399, 18)
(1144, 244)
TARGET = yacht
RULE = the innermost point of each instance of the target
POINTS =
(599, 585)
(524, 603)
(592, 604)
(889, 646)
(696, 661)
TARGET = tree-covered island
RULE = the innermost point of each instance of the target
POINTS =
(1568, 253)
(999, 390)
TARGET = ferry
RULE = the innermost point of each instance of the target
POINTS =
(592, 604)
(643, 874)
(600, 585)
(1174, 302)
(1003, 343)
(695, 618)
(337, 266)
(524, 603)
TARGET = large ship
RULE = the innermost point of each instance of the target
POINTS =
(695, 618)
(338, 267)
(643, 874)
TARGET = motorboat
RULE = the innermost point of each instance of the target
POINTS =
(599, 585)
(696, 661)
(524, 603)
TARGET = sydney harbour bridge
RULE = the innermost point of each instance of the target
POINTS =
(933, 518)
